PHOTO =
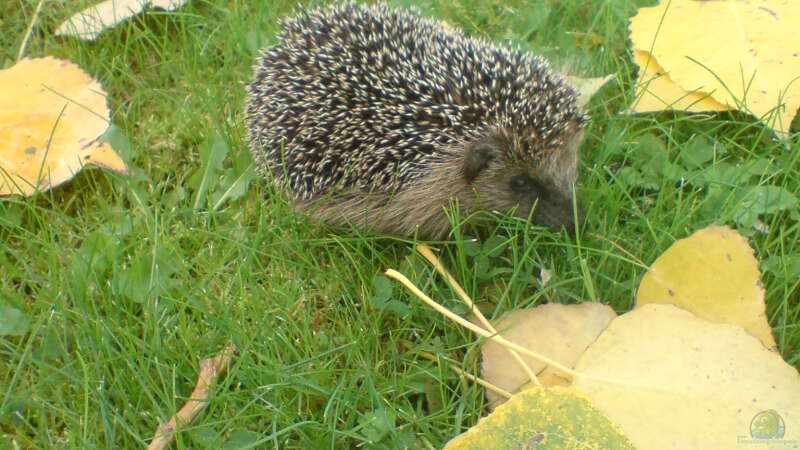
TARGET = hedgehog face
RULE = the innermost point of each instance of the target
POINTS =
(503, 177)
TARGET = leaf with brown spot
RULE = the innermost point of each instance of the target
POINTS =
(713, 274)
(546, 418)
(51, 116)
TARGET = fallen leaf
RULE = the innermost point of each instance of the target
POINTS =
(587, 87)
(684, 382)
(547, 418)
(211, 370)
(51, 116)
(92, 21)
(734, 50)
(655, 90)
(714, 275)
(560, 332)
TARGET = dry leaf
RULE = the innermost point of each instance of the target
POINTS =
(655, 91)
(560, 332)
(686, 383)
(714, 275)
(211, 370)
(734, 50)
(50, 100)
(547, 418)
(587, 87)
(91, 22)
(545, 275)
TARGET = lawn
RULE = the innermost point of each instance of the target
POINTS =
(127, 282)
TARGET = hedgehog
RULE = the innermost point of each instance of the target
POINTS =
(384, 119)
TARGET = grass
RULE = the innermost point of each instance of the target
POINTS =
(125, 283)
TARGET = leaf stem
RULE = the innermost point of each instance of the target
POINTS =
(425, 251)
(391, 273)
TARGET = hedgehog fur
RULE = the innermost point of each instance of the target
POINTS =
(382, 118)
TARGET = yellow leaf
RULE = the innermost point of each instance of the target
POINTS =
(686, 383)
(92, 21)
(655, 91)
(50, 107)
(735, 50)
(713, 274)
(560, 332)
(546, 418)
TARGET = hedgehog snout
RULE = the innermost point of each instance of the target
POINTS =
(552, 203)
(557, 211)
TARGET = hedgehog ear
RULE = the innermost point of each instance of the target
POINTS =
(476, 159)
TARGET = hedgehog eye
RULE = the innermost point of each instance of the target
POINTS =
(520, 183)
(527, 147)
